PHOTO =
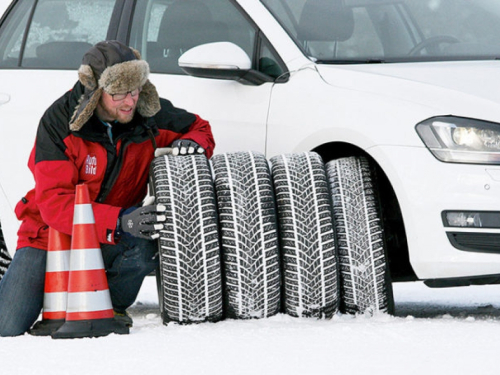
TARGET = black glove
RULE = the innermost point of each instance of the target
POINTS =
(186, 147)
(142, 222)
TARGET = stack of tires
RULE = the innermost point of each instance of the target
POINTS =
(247, 238)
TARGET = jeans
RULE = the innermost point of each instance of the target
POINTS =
(21, 288)
(127, 264)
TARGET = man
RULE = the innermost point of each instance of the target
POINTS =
(102, 133)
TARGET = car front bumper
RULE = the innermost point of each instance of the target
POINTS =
(427, 188)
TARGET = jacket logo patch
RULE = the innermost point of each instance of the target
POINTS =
(91, 165)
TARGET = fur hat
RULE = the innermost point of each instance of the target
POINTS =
(113, 67)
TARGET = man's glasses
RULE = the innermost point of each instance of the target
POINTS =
(118, 97)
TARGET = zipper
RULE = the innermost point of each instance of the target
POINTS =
(115, 162)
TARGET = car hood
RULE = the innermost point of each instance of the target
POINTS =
(460, 88)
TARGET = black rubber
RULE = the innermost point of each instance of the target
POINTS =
(249, 234)
(365, 279)
(310, 275)
(189, 284)
(5, 258)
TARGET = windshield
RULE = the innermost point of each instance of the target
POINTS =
(371, 31)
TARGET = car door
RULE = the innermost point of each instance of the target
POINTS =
(162, 30)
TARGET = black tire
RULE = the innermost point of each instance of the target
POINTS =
(189, 267)
(310, 276)
(364, 271)
(5, 258)
(249, 234)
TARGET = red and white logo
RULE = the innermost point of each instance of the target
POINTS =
(91, 165)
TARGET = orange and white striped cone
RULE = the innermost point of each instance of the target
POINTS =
(89, 310)
(56, 284)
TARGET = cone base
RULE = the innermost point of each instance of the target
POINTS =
(89, 328)
(46, 327)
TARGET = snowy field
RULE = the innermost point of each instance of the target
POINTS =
(436, 331)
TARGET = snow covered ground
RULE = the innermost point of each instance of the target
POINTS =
(435, 331)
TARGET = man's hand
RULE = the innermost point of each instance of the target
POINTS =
(142, 222)
(186, 147)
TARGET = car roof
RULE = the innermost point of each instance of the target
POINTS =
(4, 4)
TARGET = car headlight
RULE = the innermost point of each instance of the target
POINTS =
(461, 140)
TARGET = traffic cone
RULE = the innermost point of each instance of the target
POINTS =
(89, 310)
(56, 284)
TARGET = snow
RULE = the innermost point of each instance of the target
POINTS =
(435, 331)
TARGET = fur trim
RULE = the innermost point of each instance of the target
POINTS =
(124, 77)
(85, 109)
(148, 104)
(136, 53)
(86, 77)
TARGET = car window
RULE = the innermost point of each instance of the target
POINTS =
(163, 30)
(59, 33)
(269, 64)
(398, 30)
(359, 41)
(12, 32)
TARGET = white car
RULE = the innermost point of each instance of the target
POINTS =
(413, 86)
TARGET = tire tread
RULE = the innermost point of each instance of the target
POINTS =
(249, 237)
(5, 258)
(189, 248)
(361, 246)
(307, 235)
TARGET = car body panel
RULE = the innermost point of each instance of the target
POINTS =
(17, 139)
(413, 173)
(4, 4)
(235, 126)
(467, 88)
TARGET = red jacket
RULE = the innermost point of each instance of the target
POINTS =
(115, 173)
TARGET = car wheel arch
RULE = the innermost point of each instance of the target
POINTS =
(393, 223)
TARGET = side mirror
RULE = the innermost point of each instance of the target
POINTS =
(221, 60)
